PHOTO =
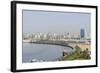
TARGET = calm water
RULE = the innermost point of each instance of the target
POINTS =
(42, 52)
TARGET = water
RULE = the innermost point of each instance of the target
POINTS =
(42, 52)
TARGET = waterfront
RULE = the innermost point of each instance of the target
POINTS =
(52, 36)
(43, 52)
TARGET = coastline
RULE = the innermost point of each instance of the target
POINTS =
(51, 42)
(61, 43)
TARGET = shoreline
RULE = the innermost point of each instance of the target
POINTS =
(59, 43)
(83, 46)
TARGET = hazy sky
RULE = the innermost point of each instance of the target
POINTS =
(56, 22)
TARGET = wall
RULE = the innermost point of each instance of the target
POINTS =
(5, 37)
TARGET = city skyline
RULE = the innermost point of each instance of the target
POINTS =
(64, 29)
(45, 21)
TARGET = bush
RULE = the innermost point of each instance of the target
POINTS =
(78, 54)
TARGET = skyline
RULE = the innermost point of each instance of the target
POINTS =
(46, 21)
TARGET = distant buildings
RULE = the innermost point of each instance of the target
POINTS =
(66, 36)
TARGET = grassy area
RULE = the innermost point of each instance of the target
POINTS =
(78, 55)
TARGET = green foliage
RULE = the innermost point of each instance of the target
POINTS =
(78, 54)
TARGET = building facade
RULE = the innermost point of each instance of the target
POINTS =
(82, 33)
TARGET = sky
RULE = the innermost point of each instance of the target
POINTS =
(55, 22)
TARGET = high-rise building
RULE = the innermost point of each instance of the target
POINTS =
(82, 33)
